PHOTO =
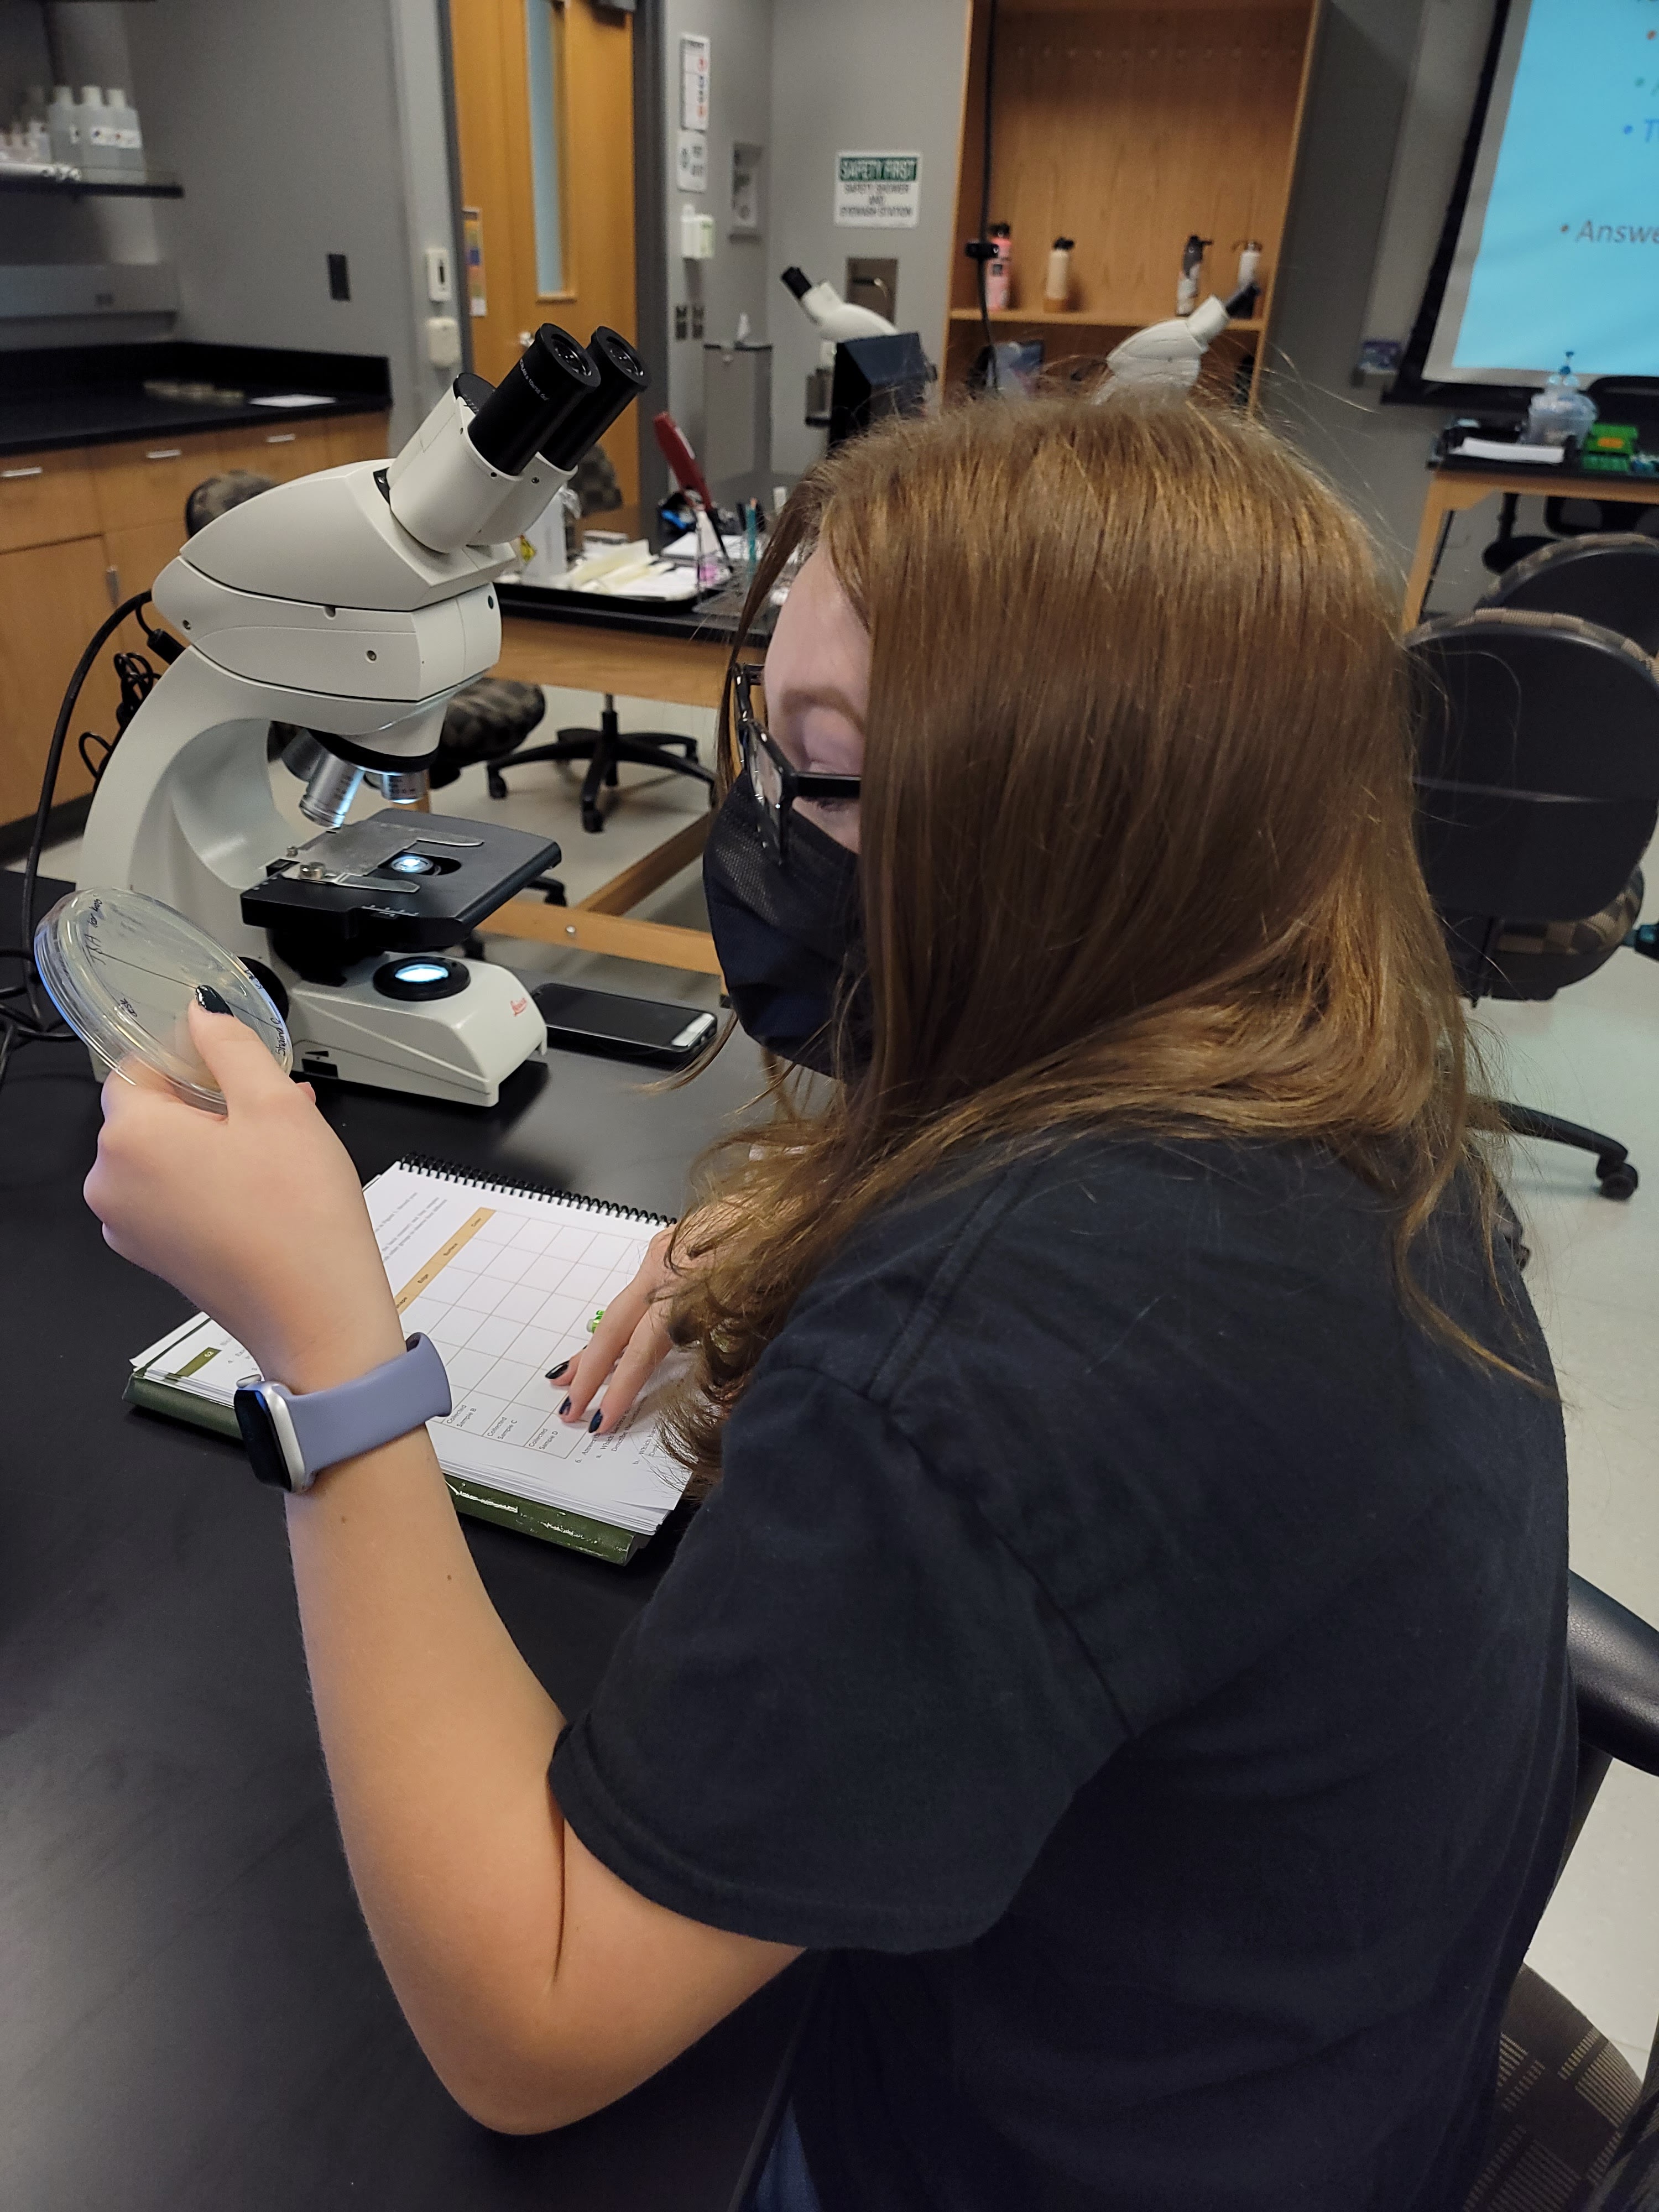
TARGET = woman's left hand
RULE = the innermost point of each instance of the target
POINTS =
(257, 1215)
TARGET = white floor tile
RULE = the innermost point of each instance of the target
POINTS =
(1592, 1054)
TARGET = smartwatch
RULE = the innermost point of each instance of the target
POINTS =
(291, 1437)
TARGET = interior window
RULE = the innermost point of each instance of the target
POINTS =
(542, 38)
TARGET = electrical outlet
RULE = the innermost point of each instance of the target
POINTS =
(696, 318)
(682, 319)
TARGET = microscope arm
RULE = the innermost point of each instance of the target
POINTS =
(1170, 352)
(353, 604)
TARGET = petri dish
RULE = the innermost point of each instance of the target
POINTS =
(122, 968)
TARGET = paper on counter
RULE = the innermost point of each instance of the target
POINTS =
(1494, 449)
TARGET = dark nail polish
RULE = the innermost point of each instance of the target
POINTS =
(554, 1373)
(565, 1408)
(209, 999)
(597, 1419)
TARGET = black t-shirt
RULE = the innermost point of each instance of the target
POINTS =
(1134, 1649)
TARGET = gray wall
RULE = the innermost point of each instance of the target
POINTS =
(285, 129)
(81, 44)
(1377, 455)
(740, 278)
(860, 73)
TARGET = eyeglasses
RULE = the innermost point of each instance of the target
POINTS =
(776, 781)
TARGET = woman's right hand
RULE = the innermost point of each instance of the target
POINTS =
(629, 1346)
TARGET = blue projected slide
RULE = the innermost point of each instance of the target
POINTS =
(1559, 248)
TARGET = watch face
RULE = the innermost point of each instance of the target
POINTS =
(264, 1449)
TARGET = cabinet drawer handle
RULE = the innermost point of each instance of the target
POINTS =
(166, 453)
(11, 476)
(281, 438)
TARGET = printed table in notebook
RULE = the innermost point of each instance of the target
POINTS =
(508, 1281)
(505, 1283)
(508, 1296)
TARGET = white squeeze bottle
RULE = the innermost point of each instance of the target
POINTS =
(96, 135)
(64, 123)
(93, 119)
(126, 140)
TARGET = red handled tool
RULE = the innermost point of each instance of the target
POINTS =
(677, 452)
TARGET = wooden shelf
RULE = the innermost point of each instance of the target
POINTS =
(1079, 319)
(1128, 124)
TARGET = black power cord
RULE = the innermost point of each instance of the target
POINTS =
(137, 680)
(29, 1023)
(980, 249)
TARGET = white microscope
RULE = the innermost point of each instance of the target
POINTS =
(353, 604)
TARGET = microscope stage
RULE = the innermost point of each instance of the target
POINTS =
(398, 882)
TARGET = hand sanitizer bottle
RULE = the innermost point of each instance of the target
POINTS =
(1561, 410)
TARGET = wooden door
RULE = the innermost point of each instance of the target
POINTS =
(544, 108)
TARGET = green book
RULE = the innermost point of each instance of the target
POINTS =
(504, 1279)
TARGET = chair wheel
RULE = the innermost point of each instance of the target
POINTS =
(497, 784)
(1620, 1182)
(592, 820)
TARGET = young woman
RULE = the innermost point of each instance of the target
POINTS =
(1126, 1632)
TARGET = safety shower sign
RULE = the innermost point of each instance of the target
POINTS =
(878, 191)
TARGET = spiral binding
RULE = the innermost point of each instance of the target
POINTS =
(524, 1186)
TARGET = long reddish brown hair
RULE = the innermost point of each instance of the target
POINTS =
(1136, 840)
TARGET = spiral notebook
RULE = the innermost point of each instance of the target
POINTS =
(504, 1279)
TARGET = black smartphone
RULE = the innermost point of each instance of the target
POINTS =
(619, 1028)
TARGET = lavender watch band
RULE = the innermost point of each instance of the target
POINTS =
(326, 1427)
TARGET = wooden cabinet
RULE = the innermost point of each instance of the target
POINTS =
(51, 599)
(44, 498)
(359, 438)
(150, 480)
(137, 556)
(287, 449)
(83, 529)
(1129, 126)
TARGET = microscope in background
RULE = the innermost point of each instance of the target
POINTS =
(352, 605)
(867, 368)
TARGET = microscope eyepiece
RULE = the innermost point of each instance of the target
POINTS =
(622, 376)
(551, 377)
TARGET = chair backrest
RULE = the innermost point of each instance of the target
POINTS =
(1611, 579)
(1537, 765)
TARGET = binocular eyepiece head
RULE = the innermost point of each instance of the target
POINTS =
(558, 399)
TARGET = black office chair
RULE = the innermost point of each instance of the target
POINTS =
(1574, 2130)
(597, 491)
(603, 749)
(1538, 791)
(1565, 520)
(1609, 577)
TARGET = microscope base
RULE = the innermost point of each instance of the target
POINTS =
(462, 1048)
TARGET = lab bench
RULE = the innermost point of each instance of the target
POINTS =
(194, 2016)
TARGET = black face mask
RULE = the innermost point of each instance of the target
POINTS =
(789, 939)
